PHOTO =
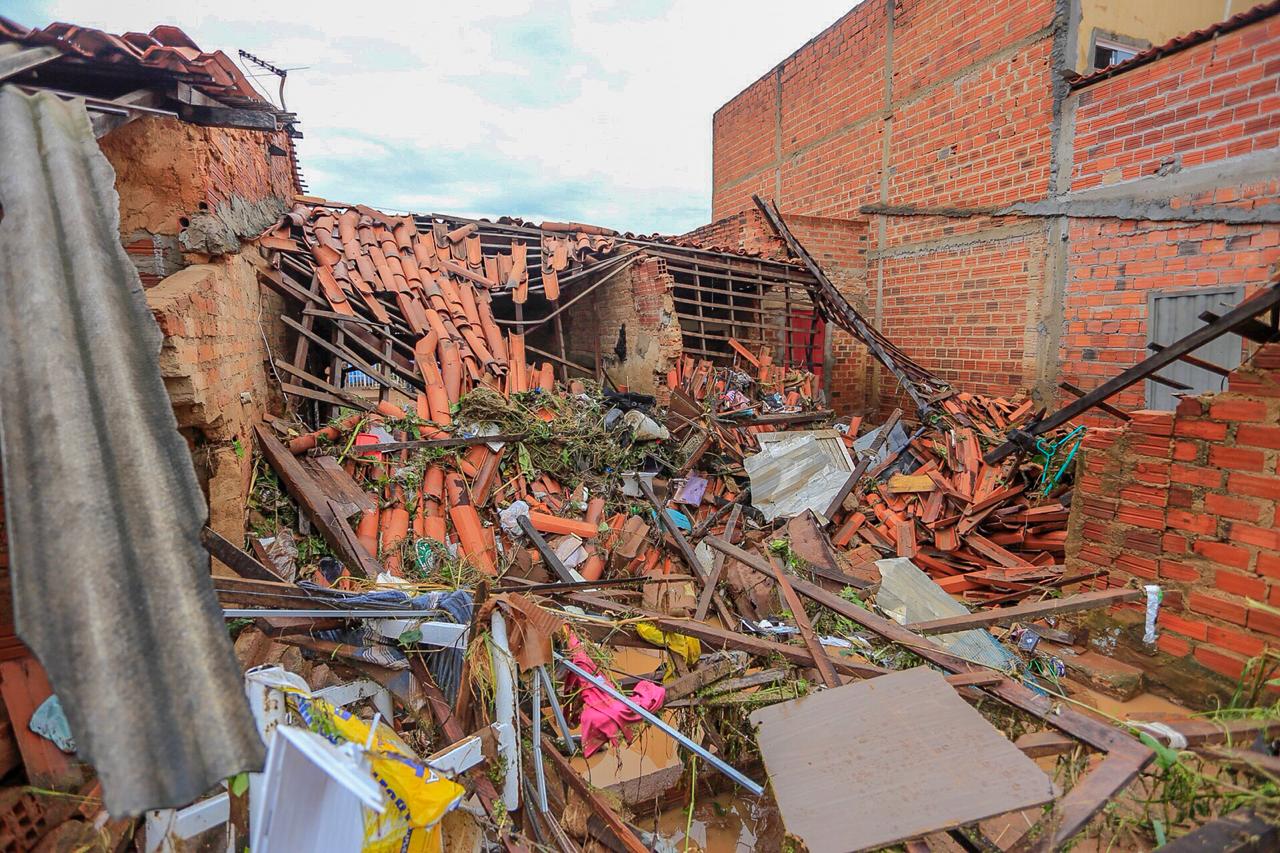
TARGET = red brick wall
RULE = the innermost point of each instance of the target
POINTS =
(1207, 103)
(744, 231)
(1188, 499)
(1116, 263)
(968, 122)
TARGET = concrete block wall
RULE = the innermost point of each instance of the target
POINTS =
(1188, 499)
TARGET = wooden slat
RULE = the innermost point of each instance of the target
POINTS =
(1027, 612)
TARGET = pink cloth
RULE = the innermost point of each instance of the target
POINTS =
(604, 718)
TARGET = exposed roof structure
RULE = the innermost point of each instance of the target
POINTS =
(1181, 42)
(111, 584)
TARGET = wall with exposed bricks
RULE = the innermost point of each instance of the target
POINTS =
(188, 196)
(1211, 109)
(919, 105)
(911, 109)
(632, 318)
(1188, 499)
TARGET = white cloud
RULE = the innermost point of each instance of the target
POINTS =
(575, 109)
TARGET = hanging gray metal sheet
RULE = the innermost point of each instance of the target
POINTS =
(111, 585)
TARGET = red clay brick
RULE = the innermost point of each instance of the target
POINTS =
(1240, 508)
(1237, 410)
(1191, 522)
(1268, 538)
(1220, 608)
(1175, 571)
(1238, 458)
(1242, 585)
(1264, 621)
(1221, 552)
(1194, 475)
(1258, 486)
(1223, 663)
(1235, 641)
(1187, 627)
(1172, 644)
(1252, 435)
(1267, 565)
(1209, 430)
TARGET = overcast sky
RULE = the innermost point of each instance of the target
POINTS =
(588, 110)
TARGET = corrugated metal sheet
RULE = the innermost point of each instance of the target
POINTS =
(1182, 42)
(795, 471)
(1173, 316)
(111, 585)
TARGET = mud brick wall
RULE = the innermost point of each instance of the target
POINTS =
(1188, 499)
(1196, 128)
(915, 104)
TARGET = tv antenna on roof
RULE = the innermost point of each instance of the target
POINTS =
(282, 73)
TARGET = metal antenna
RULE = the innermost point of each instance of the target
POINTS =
(282, 73)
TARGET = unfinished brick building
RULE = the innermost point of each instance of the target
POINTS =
(1022, 225)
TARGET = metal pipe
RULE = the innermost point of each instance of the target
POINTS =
(504, 709)
(697, 749)
(538, 773)
(556, 711)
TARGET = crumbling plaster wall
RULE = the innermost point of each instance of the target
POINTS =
(632, 317)
(189, 195)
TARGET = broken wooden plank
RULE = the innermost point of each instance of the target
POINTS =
(316, 505)
(236, 559)
(820, 658)
(1027, 612)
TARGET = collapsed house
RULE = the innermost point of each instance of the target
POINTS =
(545, 535)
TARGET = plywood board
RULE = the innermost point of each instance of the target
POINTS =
(890, 758)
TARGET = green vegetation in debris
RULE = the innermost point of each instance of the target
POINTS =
(1182, 789)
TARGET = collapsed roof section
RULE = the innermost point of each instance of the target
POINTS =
(410, 297)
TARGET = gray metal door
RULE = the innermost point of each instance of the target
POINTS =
(1174, 314)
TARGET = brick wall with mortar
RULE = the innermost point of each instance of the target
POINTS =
(189, 195)
(1188, 499)
(1212, 110)
(916, 104)
(632, 316)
